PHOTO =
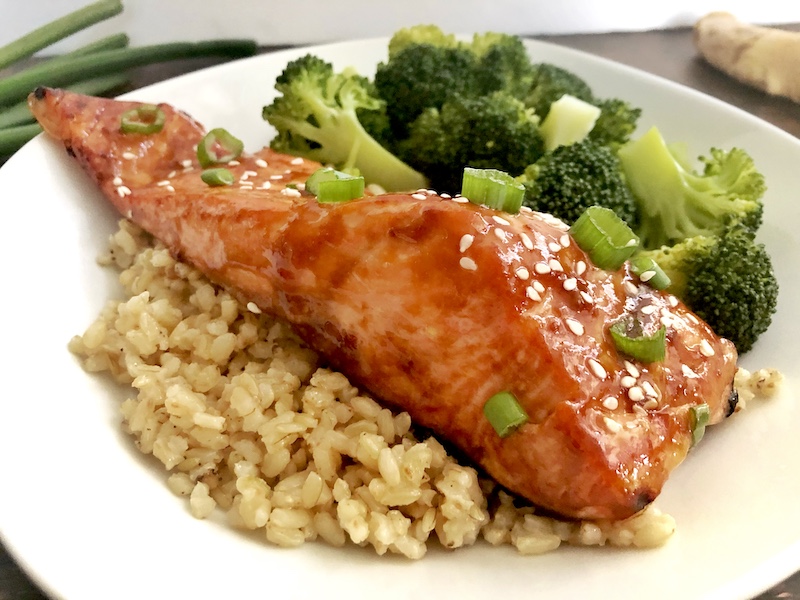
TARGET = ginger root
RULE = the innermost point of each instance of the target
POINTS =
(763, 57)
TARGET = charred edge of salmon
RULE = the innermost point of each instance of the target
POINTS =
(733, 401)
(40, 92)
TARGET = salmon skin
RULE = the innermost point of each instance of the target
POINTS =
(433, 304)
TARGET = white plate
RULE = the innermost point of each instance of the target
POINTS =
(90, 518)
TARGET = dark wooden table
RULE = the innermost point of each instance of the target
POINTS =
(669, 54)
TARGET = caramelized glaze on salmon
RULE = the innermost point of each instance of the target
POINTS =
(434, 305)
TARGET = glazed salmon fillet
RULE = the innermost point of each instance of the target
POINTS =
(433, 304)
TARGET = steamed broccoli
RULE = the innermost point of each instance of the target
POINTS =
(676, 202)
(617, 120)
(570, 179)
(426, 67)
(549, 83)
(727, 279)
(494, 131)
(317, 115)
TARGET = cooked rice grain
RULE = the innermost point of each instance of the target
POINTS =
(249, 422)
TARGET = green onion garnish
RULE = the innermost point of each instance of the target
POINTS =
(649, 272)
(492, 188)
(631, 340)
(605, 237)
(146, 119)
(217, 177)
(504, 413)
(218, 147)
(330, 185)
(699, 416)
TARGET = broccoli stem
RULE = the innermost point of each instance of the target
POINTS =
(58, 29)
(65, 70)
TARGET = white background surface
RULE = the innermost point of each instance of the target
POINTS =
(314, 21)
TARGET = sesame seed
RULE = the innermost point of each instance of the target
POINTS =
(246, 185)
(291, 192)
(128, 155)
(123, 191)
(297, 161)
(172, 174)
(636, 394)
(575, 326)
(460, 199)
(418, 196)
(500, 220)
(627, 381)
(468, 264)
(466, 242)
(117, 181)
(500, 234)
(163, 182)
(169, 188)
(532, 293)
(538, 286)
(631, 289)
(612, 425)
(587, 297)
(631, 368)
(570, 284)
(266, 185)
(541, 268)
(648, 310)
(555, 265)
(673, 301)
(233, 163)
(522, 273)
(706, 349)
(260, 162)
(687, 372)
(649, 390)
(564, 240)
(666, 320)
(253, 308)
(611, 403)
(526, 240)
(692, 318)
(580, 267)
(651, 404)
(647, 275)
(597, 369)
(525, 209)
(276, 177)
(553, 247)
(186, 163)
(445, 196)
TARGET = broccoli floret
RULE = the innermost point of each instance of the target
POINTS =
(727, 279)
(616, 123)
(422, 76)
(316, 115)
(549, 83)
(676, 202)
(426, 67)
(570, 179)
(503, 64)
(494, 131)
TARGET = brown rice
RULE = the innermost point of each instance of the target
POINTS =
(247, 421)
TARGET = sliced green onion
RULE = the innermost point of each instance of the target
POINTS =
(218, 147)
(13, 138)
(504, 413)
(649, 272)
(146, 119)
(330, 185)
(492, 188)
(698, 417)
(631, 340)
(217, 177)
(605, 237)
